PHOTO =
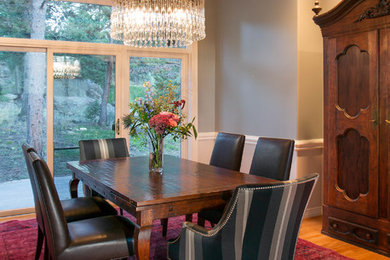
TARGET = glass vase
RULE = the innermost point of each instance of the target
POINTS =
(156, 158)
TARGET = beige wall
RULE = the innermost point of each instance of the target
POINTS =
(260, 68)
(310, 67)
(260, 74)
(310, 95)
(206, 70)
(256, 72)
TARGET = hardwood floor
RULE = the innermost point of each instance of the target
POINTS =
(310, 231)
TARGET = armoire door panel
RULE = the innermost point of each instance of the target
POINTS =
(353, 109)
(352, 80)
(353, 169)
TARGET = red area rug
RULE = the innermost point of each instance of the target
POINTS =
(18, 241)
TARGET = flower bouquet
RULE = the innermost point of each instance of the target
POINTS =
(157, 117)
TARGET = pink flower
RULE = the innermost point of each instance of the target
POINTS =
(162, 121)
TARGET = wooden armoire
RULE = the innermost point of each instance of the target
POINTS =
(356, 206)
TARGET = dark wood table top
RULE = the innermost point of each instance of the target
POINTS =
(129, 179)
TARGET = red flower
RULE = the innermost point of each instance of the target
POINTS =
(180, 103)
(162, 121)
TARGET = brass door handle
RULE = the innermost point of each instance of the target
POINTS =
(387, 122)
(374, 118)
(117, 126)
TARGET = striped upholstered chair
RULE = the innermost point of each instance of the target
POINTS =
(102, 149)
(261, 222)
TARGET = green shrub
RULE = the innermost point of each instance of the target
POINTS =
(92, 111)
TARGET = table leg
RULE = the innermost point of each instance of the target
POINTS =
(142, 235)
(142, 241)
(73, 184)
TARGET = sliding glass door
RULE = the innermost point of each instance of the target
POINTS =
(84, 107)
(22, 120)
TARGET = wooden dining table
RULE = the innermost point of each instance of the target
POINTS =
(183, 188)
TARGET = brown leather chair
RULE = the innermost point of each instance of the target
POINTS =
(104, 237)
(272, 159)
(74, 209)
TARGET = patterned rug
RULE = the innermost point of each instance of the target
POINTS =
(18, 241)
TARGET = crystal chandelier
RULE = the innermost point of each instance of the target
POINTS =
(158, 23)
(65, 67)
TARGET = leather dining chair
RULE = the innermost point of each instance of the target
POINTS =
(272, 159)
(105, 237)
(227, 153)
(261, 221)
(74, 209)
(101, 149)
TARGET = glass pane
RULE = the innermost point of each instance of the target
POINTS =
(84, 108)
(22, 120)
(159, 72)
(65, 21)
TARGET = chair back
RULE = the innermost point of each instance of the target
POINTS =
(26, 150)
(55, 227)
(272, 158)
(262, 221)
(227, 152)
(103, 149)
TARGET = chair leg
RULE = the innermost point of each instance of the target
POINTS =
(46, 255)
(38, 250)
(87, 191)
(189, 217)
(164, 223)
(201, 221)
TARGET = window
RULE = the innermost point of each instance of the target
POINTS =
(22, 119)
(159, 72)
(78, 32)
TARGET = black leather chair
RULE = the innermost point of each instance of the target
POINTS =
(74, 209)
(101, 149)
(104, 237)
(272, 159)
(227, 153)
(262, 222)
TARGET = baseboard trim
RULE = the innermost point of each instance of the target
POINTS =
(313, 212)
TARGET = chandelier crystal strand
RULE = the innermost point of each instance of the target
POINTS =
(158, 23)
(65, 67)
